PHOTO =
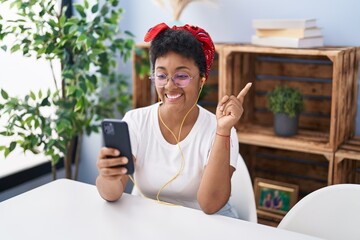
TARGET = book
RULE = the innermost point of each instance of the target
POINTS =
(283, 23)
(288, 42)
(289, 32)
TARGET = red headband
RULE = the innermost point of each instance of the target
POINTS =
(200, 34)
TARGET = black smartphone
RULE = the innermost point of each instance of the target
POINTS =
(116, 135)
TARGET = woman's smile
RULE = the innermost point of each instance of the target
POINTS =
(172, 97)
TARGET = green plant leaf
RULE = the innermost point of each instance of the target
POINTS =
(32, 95)
(284, 99)
(4, 94)
(6, 152)
(86, 4)
(62, 20)
(12, 146)
(104, 10)
(80, 9)
(129, 33)
(6, 133)
(82, 37)
(45, 102)
(79, 105)
(15, 48)
(114, 3)
(95, 8)
(52, 23)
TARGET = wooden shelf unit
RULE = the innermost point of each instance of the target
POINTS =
(326, 76)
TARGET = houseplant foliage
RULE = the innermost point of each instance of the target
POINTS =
(284, 99)
(88, 46)
(286, 103)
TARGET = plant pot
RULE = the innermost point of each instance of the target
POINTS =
(284, 125)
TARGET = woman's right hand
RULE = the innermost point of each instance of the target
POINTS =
(108, 164)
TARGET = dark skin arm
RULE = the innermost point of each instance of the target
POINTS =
(215, 187)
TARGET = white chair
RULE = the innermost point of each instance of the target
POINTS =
(242, 197)
(332, 212)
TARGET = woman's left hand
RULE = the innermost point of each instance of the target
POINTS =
(230, 109)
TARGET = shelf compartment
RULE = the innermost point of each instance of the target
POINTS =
(326, 76)
(307, 170)
(347, 162)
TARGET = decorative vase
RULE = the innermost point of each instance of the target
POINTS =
(284, 125)
(177, 23)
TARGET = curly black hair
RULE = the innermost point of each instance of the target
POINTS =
(181, 42)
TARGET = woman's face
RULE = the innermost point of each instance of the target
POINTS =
(181, 98)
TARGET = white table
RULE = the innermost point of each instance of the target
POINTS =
(66, 209)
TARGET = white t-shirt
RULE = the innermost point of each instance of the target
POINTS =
(157, 161)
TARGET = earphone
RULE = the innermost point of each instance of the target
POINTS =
(203, 79)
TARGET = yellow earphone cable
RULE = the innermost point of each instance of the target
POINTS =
(158, 201)
(177, 139)
(178, 144)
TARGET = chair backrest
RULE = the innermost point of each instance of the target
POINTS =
(332, 212)
(242, 197)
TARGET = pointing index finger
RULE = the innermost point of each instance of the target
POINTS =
(244, 91)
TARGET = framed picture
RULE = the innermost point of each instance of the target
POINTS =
(274, 198)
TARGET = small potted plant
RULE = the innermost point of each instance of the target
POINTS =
(286, 103)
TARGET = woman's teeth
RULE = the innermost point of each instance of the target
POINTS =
(173, 96)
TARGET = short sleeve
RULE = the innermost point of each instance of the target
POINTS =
(128, 118)
(234, 148)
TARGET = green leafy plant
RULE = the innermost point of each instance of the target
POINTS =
(284, 99)
(89, 46)
(142, 65)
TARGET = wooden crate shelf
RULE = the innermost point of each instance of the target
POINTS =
(326, 76)
(347, 162)
(306, 141)
(267, 219)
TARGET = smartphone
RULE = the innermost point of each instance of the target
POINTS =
(116, 135)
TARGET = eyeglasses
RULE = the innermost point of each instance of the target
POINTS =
(180, 79)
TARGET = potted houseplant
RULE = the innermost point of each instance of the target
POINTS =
(89, 45)
(286, 103)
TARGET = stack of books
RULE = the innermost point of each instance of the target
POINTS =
(293, 33)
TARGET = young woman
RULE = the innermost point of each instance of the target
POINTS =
(183, 154)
